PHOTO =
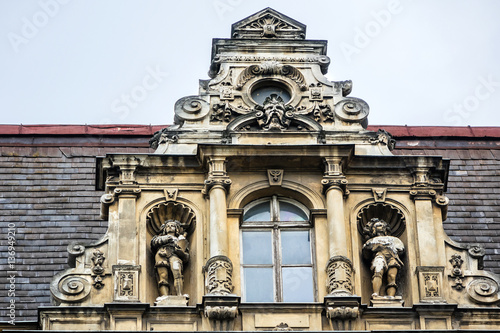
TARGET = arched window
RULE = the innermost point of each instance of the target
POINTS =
(276, 256)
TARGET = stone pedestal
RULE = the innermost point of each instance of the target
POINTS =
(171, 300)
(387, 302)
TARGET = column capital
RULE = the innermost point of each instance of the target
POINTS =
(338, 183)
(217, 175)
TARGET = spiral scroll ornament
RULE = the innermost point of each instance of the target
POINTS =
(352, 110)
(191, 108)
(71, 288)
(483, 290)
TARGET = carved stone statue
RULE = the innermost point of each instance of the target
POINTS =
(171, 253)
(384, 250)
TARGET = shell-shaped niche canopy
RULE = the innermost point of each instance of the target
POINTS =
(383, 211)
(170, 211)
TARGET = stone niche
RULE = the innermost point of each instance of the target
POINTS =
(396, 220)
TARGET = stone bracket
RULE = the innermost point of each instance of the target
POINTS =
(221, 311)
(126, 283)
(341, 311)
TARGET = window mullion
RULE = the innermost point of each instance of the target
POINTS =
(277, 265)
(275, 209)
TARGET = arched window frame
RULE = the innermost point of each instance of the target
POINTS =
(276, 226)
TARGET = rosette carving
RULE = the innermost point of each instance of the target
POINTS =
(70, 288)
(483, 290)
(352, 110)
(191, 108)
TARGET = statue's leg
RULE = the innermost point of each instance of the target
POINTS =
(176, 266)
(378, 269)
(377, 282)
(391, 281)
(163, 280)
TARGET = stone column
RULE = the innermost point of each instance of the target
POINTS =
(340, 304)
(126, 240)
(432, 260)
(220, 306)
(339, 268)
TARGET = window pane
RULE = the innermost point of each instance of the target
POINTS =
(257, 247)
(258, 284)
(295, 247)
(297, 284)
(291, 213)
(260, 212)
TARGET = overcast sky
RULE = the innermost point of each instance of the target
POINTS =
(425, 62)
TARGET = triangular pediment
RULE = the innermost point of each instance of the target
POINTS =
(268, 24)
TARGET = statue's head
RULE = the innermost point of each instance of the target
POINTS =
(376, 227)
(171, 226)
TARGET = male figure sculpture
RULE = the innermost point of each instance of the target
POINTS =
(384, 251)
(171, 248)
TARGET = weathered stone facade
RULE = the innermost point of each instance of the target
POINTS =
(270, 171)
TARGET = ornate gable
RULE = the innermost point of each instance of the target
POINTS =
(268, 23)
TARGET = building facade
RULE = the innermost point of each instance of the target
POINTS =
(270, 205)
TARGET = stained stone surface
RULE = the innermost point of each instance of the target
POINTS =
(48, 190)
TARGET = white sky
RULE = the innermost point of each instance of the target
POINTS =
(425, 62)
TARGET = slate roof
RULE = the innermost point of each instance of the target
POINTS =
(47, 190)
